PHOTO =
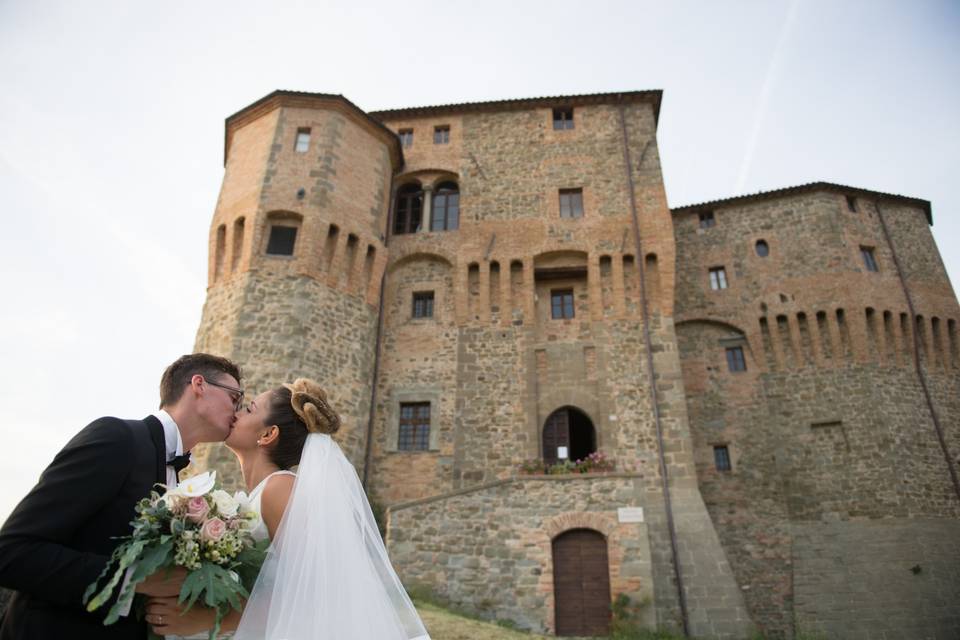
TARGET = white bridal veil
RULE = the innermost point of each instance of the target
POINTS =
(327, 575)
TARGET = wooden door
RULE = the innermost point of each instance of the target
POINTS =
(556, 433)
(581, 584)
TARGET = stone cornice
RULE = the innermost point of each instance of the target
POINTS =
(296, 99)
(652, 97)
(809, 188)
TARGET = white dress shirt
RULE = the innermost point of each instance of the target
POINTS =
(171, 436)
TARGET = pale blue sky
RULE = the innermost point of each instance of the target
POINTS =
(111, 141)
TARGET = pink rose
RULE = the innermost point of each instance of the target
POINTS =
(213, 529)
(197, 509)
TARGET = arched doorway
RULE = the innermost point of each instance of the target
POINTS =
(568, 434)
(581, 584)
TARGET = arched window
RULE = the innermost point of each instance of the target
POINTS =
(446, 208)
(568, 434)
(406, 217)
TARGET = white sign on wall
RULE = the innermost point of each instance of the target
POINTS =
(562, 453)
(630, 514)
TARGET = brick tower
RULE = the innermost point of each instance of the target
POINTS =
(297, 252)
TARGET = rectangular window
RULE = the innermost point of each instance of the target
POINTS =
(303, 140)
(851, 203)
(718, 278)
(571, 203)
(707, 220)
(868, 258)
(721, 457)
(563, 118)
(406, 138)
(281, 240)
(441, 134)
(414, 426)
(735, 360)
(423, 304)
(561, 304)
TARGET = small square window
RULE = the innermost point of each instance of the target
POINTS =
(406, 138)
(571, 203)
(303, 140)
(869, 260)
(721, 457)
(414, 434)
(735, 360)
(281, 240)
(441, 134)
(423, 304)
(851, 203)
(561, 304)
(707, 220)
(718, 278)
(563, 118)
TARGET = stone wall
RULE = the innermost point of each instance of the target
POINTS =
(489, 548)
(288, 327)
(839, 567)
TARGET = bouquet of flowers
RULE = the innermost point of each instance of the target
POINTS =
(198, 527)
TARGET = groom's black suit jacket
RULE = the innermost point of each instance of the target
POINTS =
(60, 536)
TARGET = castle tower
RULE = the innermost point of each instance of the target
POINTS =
(817, 331)
(297, 253)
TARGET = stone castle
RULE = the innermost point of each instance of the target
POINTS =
(495, 290)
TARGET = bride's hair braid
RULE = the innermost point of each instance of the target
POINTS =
(298, 409)
(309, 401)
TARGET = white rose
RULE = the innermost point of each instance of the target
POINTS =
(226, 504)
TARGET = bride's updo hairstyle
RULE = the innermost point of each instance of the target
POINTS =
(298, 410)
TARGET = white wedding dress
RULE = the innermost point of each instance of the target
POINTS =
(327, 575)
(259, 532)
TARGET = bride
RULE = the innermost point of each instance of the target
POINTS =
(327, 574)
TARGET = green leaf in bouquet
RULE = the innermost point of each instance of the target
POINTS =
(114, 557)
(152, 559)
(216, 584)
(249, 561)
(126, 555)
(219, 588)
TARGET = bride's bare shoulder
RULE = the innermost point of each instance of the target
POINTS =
(276, 494)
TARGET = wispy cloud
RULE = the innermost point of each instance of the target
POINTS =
(769, 80)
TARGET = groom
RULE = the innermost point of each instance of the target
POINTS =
(61, 535)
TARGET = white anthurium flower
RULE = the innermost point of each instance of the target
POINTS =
(198, 485)
(226, 504)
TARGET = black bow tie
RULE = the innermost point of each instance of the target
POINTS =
(179, 462)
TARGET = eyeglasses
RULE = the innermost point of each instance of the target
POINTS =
(237, 401)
